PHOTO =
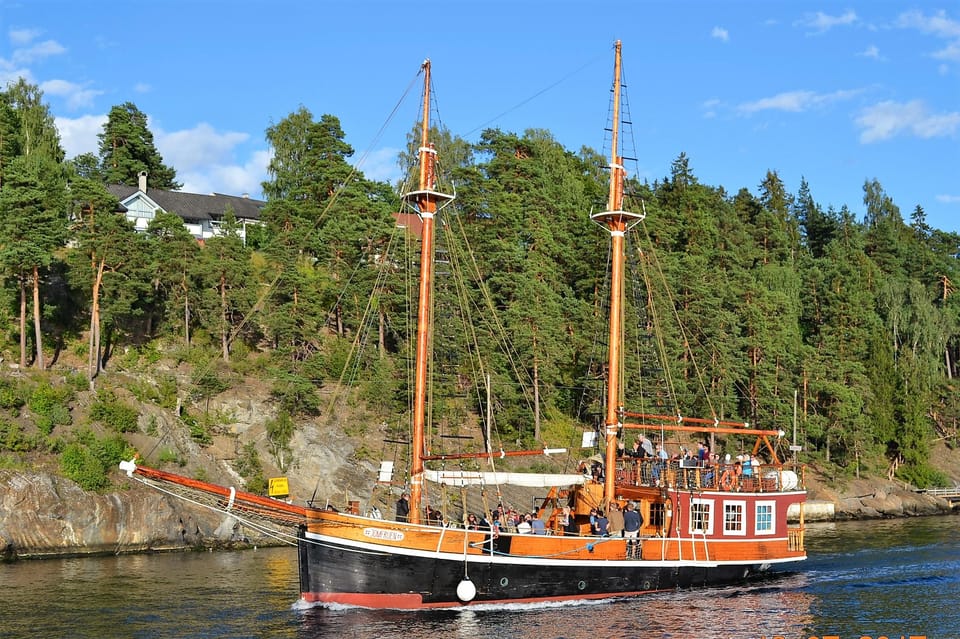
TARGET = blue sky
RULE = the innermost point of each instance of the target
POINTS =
(836, 92)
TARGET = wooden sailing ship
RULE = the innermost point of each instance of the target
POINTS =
(705, 522)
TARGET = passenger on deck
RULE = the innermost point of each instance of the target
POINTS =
(703, 453)
(496, 525)
(710, 470)
(596, 471)
(403, 507)
(537, 526)
(615, 517)
(568, 522)
(524, 526)
(647, 446)
(602, 525)
(660, 464)
(433, 517)
(631, 530)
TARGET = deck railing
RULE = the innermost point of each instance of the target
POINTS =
(694, 475)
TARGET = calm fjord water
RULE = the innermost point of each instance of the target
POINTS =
(890, 578)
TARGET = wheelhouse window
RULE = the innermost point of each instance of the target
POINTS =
(701, 516)
(734, 518)
(765, 521)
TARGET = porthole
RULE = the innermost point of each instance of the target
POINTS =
(581, 585)
(646, 585)
(504, 581)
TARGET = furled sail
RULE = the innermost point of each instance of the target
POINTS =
(477, 478)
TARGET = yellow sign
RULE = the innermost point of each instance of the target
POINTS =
(279, 487)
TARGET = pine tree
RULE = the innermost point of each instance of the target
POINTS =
(226, 274)
(173, 257)
(34, 191)
(127, 149)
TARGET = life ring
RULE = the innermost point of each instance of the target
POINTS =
(727, 480)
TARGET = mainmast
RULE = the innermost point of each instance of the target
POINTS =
(617, 221)
(424, 200)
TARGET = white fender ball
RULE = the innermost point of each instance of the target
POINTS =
(466, 591)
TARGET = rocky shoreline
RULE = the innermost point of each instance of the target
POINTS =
(44, 516)
(877, 500)
(47, 516)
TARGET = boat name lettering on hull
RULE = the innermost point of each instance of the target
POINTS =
(380, 533)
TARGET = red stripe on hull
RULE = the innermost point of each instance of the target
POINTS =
(411, 601)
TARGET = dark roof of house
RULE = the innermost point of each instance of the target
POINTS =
(196, 206)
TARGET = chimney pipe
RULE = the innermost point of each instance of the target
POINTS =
(142, 181)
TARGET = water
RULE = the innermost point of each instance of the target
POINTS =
(862, 579)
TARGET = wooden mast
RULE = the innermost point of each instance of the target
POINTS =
(617, 221)
(424, 199)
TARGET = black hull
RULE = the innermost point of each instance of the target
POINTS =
(339, 573)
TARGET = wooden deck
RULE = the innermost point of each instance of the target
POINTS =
(952, 495)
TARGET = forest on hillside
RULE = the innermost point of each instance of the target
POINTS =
(851, 317)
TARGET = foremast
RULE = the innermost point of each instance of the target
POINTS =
(617, 222)
(425, 201)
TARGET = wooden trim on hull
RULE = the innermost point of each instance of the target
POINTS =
(382, 536)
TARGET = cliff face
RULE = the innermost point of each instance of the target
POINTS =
(45, 515)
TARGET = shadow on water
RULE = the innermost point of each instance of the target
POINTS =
(777, 602)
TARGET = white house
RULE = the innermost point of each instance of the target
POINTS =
(202, 214)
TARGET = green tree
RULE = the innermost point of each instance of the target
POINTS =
(174, 257)
(229, 294)
(34, 202)
(31, 227)
(111, 248)
(818, 227)
(35, 133)
(127, 149)
(886, 239)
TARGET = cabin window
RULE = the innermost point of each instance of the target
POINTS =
(701, 520)
(765, 523)
(734, 518)
(656, 516)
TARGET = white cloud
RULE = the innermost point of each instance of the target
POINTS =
(201, 146)
(948, 199)
(710, 107)
(9, 75)
(951, 52)
(821, 22)
(889, 119)
(142, 87)
(380, 165)
(229, 179)
(206, 160)
(203, 157)
(795, 101)
(937, 24)
(871, 52)
(38, 51)
(720, 34)
(79, 135)
(20, 37)
(75, 95)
